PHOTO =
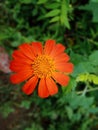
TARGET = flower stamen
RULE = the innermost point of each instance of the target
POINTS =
(43, 66)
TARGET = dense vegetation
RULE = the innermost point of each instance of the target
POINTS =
(74, 23)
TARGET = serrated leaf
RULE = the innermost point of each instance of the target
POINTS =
(83, 67)
(87, 77)
(82, 78)
(52, 13)
(76, 58)
(64, 14)
(86, 102)
(78, 100)
(65, 21)
(95, 79)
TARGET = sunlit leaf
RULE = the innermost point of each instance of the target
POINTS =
(55, 19)
(52, 13)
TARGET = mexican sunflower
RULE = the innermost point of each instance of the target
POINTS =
(41, 66)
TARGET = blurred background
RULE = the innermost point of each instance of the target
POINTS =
(74, 23)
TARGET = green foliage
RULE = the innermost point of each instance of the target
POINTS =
(92, 6)
(25, 104)
(25, 1)
(71, 86)
(65, 8)
(94, 58)
(88, 78)
(85, 64)
(74, 24)
(58, 11)
(6, 109)
(34, 127)
(42, 1)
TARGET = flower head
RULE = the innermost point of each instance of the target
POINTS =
(42, 66)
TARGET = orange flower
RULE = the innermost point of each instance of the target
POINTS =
(42, 66)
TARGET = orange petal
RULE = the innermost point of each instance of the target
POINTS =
(63, 57)
(20, 57)
(42, 89)
(23, 61)
(61, 78)
(17, 66)
(52, 88)
(37, 47)
(17, 54)
(49, 45)
(29, 87)
(21, 76)
(65, 67)
(27, 50)
(58, 49)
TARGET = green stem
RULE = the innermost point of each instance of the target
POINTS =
(93, 89)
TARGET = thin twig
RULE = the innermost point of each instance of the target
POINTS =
(93, 89)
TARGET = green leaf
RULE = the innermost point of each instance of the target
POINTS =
(83, 67)
(78, 100)
(6, 109)
(52, 5)
(55, 19)
(94, 79)
(15, 43)
(52, 13)
(69, 112)
(86, 102)
(94, 0)
(26, 1)
(87, 77)
(41, 1)
(35, 126)
(64, 14)
(92, 6)
(94, 58)
(3, 36)
(64, 21)
(83, 77)
(71, 86)
(93, 110)
(25, 104)
(76, 58)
